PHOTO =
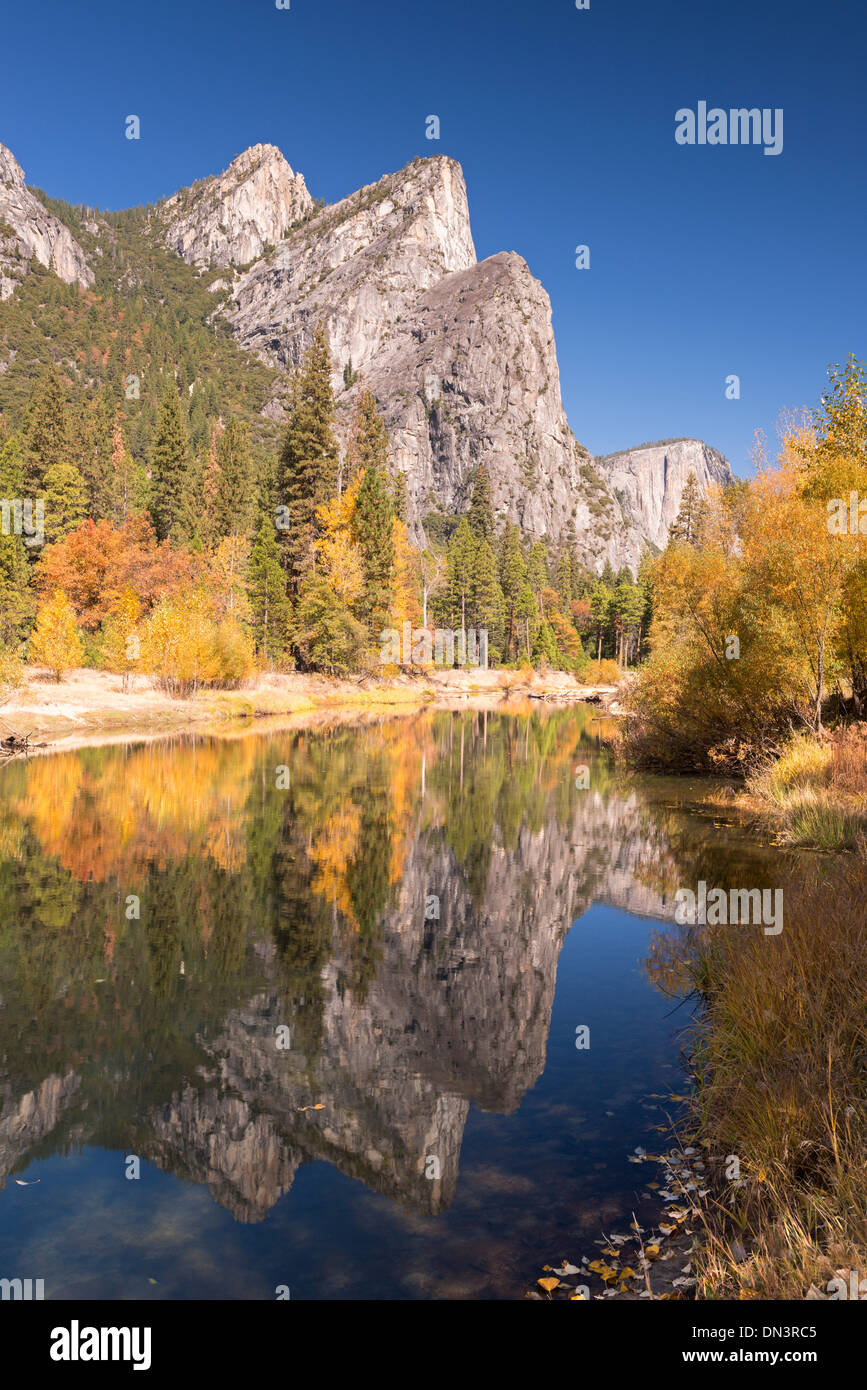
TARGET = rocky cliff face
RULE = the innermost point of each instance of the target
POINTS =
(648, 482)
(29, 232)
(471, 377)
(231, 219)
(460, 355)
(359, 266)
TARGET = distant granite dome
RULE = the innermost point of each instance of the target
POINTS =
(649, 481)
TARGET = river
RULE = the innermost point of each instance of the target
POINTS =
(297, 1010)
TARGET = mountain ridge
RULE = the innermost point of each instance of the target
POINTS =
(459, 353)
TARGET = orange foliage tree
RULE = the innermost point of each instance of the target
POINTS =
(97, 562)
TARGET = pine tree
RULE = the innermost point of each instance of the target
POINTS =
(328, 637)
(398, 494)
(600, 612)
(545, 647)
(129, 484)
(308, 462)
(487, 606)
(234, 501)
(563, 580)
(481, 513)
(374, 535)
(512, 580)
(460, 565)
(627, 607)
(526, 615)
(267, 594)
(93, 455)
(368, 445)
(537, 572)
(12, 467)
(170, 468)
(46, 429)
(65, 494)
(17, 599)
(685, 527)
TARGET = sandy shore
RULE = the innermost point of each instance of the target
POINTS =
(91, 706)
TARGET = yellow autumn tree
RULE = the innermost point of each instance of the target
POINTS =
(55, 642)
(405, 605)
(184, 646)
(338, 556)
(120, 650)
(795, 570)
(228, 583)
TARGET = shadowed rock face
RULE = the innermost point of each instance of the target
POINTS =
(471, 377)
(29, 232)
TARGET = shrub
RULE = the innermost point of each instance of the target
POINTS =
(184, 648)
(604, 672)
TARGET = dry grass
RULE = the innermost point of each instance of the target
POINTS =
(817, 790)
(782, 1084)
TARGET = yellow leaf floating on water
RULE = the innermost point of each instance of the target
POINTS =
(548, 1284)
(651, 1249)
(320, 1106)
(667, 1230)
(627, 1273)
(577, 1298)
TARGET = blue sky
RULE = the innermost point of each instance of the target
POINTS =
(704, 261)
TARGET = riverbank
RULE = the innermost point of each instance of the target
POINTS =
(91, 706)
(811, 795)
(780, 1094)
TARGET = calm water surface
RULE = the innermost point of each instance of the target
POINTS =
(325, 986)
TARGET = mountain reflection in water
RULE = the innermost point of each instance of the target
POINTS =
(172, 911)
